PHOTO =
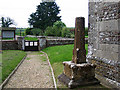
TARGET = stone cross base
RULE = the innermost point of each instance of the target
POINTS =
(78, 74)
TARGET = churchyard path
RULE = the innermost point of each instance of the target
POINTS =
(34, 72)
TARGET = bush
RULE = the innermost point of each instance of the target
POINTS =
(57, 31)
(59, 24)
(37, 32)
(53, 31)
(49, 31)
(66, 32)
(28, 31)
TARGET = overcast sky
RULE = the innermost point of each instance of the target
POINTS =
(20, 10)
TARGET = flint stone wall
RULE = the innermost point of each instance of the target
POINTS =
(104, 41)
(43, 43)
(54, 42)
(9, 45)
(13, 44)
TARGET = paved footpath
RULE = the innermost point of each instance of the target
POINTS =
(34, 72)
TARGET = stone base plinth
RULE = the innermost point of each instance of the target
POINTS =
(78, 74)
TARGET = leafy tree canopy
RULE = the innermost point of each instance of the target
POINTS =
(36, 31)
(6, 22)
(59, 24)
(45, 15)
(56, 29)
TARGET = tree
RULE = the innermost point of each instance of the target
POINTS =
(56, 29)
(66, 32)
(36, 31)
(6, 22)
(49, 31)
(59, 24)
(45, 15)
(28, 31)
(53, 31)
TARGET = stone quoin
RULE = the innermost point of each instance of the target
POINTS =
(104, 41)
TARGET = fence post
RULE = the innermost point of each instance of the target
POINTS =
(42, 42)
(21, 43)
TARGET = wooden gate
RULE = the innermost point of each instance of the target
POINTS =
(31, 45)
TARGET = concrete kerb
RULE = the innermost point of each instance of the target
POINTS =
(51, 70)
(7, 79)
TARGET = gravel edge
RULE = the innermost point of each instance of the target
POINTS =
(51, 70)
(11, 74)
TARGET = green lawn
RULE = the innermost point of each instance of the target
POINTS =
(86, 36)
(31, 38)
(7, 39)
(58, 54)
(10, 59)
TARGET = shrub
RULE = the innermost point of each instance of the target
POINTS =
(59, 24)
(53, 31)
(28, 31)
(37, 31)
(49, 31)
(66, 32)
(57, 31)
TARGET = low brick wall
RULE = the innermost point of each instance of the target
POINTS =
(9, 45)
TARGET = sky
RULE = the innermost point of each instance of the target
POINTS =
(20, 10)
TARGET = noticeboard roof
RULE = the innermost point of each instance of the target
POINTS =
(7, 28)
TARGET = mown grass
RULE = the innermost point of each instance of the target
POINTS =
(31, 38)
(7, 39)
(10, 59)
(86, 36)
(58, 54)
(61, 53)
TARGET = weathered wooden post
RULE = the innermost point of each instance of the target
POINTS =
(78, 72)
